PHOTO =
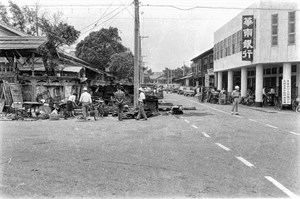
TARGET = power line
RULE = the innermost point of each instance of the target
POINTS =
(102, 15)
(108, 19)
(99, 19)
(220, 8)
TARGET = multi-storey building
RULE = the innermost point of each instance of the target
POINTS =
(260, 48)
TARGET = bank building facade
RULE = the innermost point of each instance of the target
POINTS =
(260, 49)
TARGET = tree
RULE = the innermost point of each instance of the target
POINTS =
(3, 14)
(98, 47)
(121, 65)
(58, 35)
(18, 19)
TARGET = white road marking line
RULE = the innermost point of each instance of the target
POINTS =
(294, 133)
(208, 107)
(281, 187)
(194, 126)
(206, 135)
(272, 126)
(238, 116)
(245, 161)
(252, 120)
(187, 121)
(223, 147)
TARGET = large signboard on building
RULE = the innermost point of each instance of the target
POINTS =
(247, 37)
(206, 80)
(286, 91)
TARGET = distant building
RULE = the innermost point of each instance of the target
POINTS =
(203, 66)
(267, 36)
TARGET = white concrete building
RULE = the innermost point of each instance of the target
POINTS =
(276, 50)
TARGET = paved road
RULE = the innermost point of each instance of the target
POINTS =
(202, 153)
(266, 139)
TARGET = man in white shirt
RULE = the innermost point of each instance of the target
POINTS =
(86, 100)
(141, 100)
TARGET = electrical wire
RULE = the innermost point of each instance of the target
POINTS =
(99, 19)
(108, 19)
(212, 7)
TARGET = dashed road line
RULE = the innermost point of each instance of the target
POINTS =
(206, 135)
(246, 162)
(294, 133)
(194, 126)
(187, 121)
(209, 107)
(238, 116)
(271, 126)
(223, 147)
(252, 120)
(281, 187)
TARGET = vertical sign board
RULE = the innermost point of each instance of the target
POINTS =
(247, 37)
(206, 80)
(286, 91)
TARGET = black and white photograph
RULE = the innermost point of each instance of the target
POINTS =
(149, 99)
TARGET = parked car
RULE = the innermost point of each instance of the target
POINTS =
(189, 91)
(181, 90)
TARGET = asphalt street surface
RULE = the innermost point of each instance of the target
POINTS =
(203, 153)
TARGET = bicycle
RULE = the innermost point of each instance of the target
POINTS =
(277, 103)
(97, 108)
(296, 105)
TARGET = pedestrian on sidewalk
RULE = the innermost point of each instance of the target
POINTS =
(141, 100)
(235, 96)
(86, 100)
(119, 98)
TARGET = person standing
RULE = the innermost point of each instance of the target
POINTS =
(119, 98)
(235, 96)
(141, 100)
(86, 100)
(71, 105)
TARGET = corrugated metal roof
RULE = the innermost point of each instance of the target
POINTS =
(75, 69)
(21, 42)
(13, 30)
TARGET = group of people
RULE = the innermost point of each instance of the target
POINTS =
(119, 99)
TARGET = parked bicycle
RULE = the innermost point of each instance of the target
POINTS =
(97, 109)
(277, 103)
(296, 105)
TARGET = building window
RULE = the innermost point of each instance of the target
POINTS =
(229, 45)
(274, 70)
(221, 51)
(294, 68)
(240, 41)
(280, 70)
(225, 47)
(291, 28)
(274, 30)
(233, 43)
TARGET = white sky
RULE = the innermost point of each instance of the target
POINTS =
(174, 36)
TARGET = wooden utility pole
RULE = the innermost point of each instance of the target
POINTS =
(36, 19)
(136, 53)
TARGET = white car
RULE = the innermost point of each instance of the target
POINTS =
(189, 91)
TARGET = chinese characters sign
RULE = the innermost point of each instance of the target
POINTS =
(247, 37)
(286, 91)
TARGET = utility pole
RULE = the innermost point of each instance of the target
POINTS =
(136, 53)
(141, 63)
(36, 19)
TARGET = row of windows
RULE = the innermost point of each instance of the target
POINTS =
(291, 28)
(233, 43)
